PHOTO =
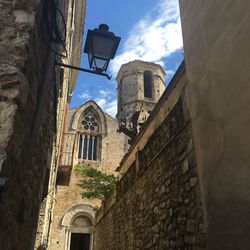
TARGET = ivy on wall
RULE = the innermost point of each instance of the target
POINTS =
(94, 183)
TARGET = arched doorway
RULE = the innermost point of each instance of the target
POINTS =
(79, 223)
(80, 233)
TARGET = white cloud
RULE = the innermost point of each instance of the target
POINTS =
(101, 102)
(105, 98)
(105, 93)
(85, 95)
(153, 38)
(109, 107)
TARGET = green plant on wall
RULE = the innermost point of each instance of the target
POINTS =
(94, 183)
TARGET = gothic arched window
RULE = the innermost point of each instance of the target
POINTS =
(148, 83)
(89, 138)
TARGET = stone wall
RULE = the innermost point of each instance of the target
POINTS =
(216, 45)
(67, 197)
(29, 118)
(114, 146)
(27, 121)
(74, 17)
(157, 203)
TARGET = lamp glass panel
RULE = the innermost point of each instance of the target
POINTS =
(99, 63)
(103, 46)
(90, 56)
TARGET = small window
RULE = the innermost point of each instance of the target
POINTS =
(148, 83)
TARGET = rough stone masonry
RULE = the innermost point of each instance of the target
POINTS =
(25, 152)
(28, 111)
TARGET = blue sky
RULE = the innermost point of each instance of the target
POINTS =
(150, 30)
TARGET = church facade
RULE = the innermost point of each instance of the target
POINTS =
(92, 140)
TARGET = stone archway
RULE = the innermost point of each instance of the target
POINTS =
(78, 222)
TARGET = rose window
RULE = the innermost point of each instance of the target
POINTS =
(89, 123)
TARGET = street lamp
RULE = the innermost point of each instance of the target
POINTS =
(101, 46)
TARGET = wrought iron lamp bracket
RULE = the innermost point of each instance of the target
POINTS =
(96, 72)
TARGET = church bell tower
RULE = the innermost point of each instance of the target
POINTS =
(140, 86)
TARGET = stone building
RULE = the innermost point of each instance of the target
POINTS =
(33, 98)
(184, 182)
(92, 138)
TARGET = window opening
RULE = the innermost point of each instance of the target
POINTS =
(85, 147)
(80, 146)
(148, 83)
(95, 149)
(88, 149)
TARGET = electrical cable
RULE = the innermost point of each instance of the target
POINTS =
(52, 32)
